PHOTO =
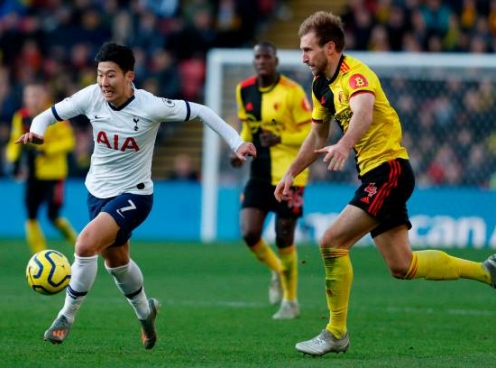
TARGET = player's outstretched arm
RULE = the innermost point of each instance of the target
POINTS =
(30, 138)
(38, 126)
(218, 125)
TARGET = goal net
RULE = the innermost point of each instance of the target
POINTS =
(446, 103)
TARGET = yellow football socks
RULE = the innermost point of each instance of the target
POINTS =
(338, 280)
(266, 255)
(34, 236)
(66, 229)
(438, 265)
(289, 259)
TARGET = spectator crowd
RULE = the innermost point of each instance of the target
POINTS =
(448, 121)
(421, 25)
(56, 40)
(449, 130)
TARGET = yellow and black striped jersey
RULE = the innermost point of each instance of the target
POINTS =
(331, 99)
(47, 161)
(282, 109)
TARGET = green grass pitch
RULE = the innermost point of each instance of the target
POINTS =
(215, 313)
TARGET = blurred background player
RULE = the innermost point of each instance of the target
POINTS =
(275, 116)
(184, 169)
(44, 168)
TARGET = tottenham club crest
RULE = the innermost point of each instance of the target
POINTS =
(168, 102)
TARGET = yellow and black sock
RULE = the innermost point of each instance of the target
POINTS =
(338, 280)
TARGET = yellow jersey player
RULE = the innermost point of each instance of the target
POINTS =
(275, 115)
(44, 168)
(348, 91)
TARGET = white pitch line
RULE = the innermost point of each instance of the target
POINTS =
(216, 303)
(463, 312)
(390, 309)
(314, 306)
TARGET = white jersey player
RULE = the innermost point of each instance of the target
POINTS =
(125, 122)
(124, 137)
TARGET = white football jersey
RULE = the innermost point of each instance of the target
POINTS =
(124, 137)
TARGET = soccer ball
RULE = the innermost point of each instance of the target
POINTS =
(48, 272)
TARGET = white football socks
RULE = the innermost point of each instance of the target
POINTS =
(84, 270)
(129, 281)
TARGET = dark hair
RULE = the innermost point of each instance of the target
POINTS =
(326, 26)
(267, 44)
(119, 54)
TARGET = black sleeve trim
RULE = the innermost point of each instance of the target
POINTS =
(54, 112)
(188, 111)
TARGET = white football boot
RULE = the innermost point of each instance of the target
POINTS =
(490, 266)
(288, 310)
(324, 343)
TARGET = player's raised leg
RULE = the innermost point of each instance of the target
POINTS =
(126, 273)
(428, 264)
(438, 265)
(490, 266)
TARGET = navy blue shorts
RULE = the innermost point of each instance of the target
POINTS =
(260, 195)
(128, 210)
(384, 193)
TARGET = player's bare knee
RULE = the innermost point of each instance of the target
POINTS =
(84, 247)
(332, 239)
(84, 251)
(327, 241)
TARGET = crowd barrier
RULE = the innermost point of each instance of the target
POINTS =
(449, 217)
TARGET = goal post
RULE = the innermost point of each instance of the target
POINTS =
(426, 76)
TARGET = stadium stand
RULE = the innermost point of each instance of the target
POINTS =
(57, 39)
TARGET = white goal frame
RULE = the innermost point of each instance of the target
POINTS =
(217, 58)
